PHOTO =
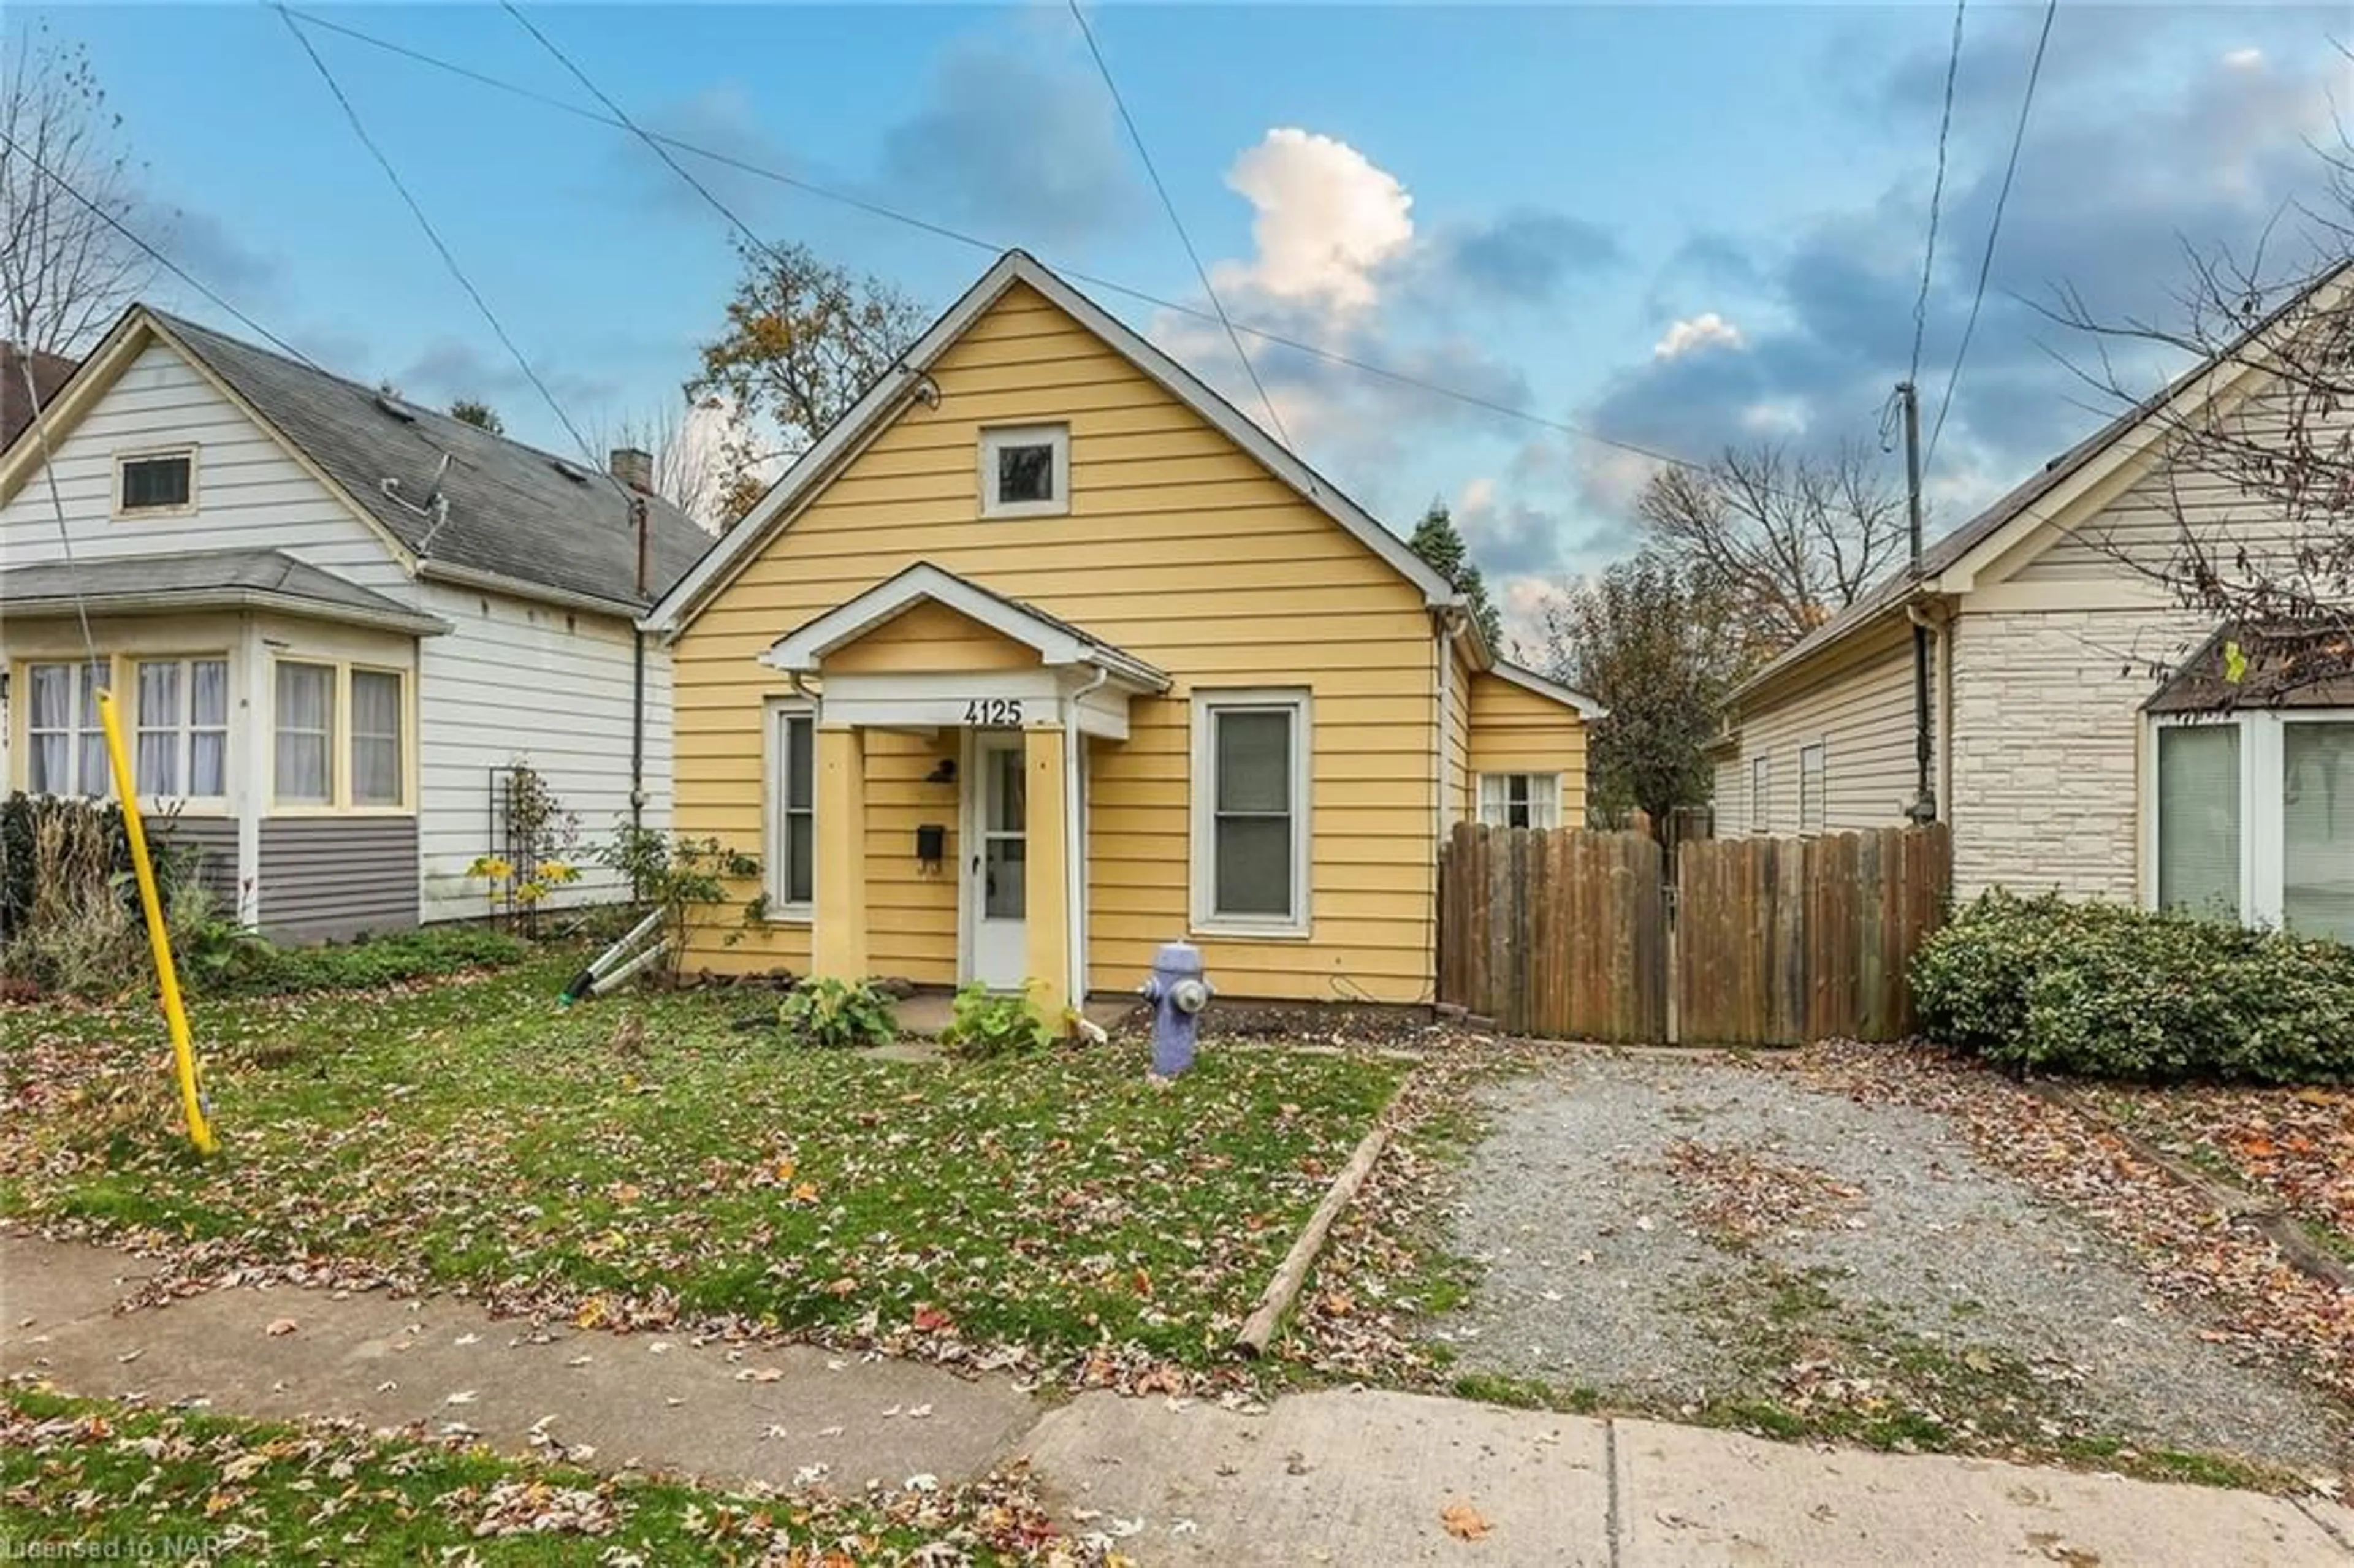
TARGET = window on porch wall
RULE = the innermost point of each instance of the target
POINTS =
(64, 748)
(182, 746)
(793, 857)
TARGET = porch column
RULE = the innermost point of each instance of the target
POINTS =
(1047, 962)
(838, 925)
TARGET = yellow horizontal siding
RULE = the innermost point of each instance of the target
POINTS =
(1179, 549)
(931, 637)
(1514, 730)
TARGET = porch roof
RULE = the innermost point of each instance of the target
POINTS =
(204, 579)
(1056, 642)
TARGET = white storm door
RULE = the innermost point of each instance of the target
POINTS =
(997, 860)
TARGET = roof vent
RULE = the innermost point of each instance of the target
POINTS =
(576, 475)
(386, 403)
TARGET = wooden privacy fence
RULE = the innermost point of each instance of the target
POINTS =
(1780, 941)
(1560, 932)
(1771, 942)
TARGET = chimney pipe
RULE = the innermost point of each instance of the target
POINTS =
(633, 466)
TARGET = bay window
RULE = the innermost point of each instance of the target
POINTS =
(2254, 819)
(1250, 812)
(376, 769)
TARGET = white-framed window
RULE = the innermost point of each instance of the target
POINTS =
(1761, 795)
(1025, 471)
(151, 483)
(2252, 816)
(1250, 812)
(303, 769)
(65, 748)
(1811, 807)
(180, 749)
(380, 771)
(792, 811)
(1519, 800)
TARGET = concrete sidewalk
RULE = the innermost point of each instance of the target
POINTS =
(1325, 1477)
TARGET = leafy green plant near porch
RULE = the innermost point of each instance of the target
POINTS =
(984, 1023)
(837, 1015)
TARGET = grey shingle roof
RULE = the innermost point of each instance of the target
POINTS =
(514, 510)
(200, 579)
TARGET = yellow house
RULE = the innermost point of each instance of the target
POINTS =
(1045, 655)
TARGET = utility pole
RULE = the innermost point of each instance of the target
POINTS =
(1923, 808)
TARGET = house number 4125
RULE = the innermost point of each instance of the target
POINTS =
(993, 710)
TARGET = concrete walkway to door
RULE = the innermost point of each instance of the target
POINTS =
(1331, 1477)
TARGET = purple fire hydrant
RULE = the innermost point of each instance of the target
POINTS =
(1178, 994)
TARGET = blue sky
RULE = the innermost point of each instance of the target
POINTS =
(1681, 226)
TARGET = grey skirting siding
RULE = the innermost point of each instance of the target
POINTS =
(214, 840)
(337, 876)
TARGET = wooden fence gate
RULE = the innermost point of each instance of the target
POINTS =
(1571, 934)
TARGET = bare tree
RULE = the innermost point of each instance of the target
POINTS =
(803, 340)
(65, 270)
(2257, 470)
(1786, 539)
(687, 446)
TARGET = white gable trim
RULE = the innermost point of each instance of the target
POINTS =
(802, 650)
(88, 385)
(866, 420)
(1530, 681)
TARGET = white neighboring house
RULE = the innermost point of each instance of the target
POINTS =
(2080, 728)
(331, 619)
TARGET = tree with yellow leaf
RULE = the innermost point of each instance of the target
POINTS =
(803, 340)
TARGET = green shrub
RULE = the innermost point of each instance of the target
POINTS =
(837, 1016)
(984, 1023)
(257, 968)
(2097, 989)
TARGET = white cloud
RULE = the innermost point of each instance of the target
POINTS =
(1705, 331)
(2244, 59)
(1328, 217)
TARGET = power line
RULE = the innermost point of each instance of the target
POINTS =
(652, 143)
(182, 274)
(1994, 230)
(1936, 195)
(449, 259)
(993, 248)
(1104, 68)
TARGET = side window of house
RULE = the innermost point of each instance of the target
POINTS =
(1761, 795)
(1025, 471)
(792, 860)
(1250, 812)
(155, 481)
(65, 750)
(1519, 800)
(1811, 813)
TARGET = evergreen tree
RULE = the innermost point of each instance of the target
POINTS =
(1437, 541)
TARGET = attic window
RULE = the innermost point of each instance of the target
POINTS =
(146, 483)
(388, 404)
(1025, 471)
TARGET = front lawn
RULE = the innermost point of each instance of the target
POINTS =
(641, 1160)
(81, 1479)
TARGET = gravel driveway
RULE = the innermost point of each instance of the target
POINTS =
(1676, 1232)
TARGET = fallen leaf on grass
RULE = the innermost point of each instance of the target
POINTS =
(1463, 1521)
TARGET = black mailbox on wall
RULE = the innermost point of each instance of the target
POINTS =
(931, 844)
